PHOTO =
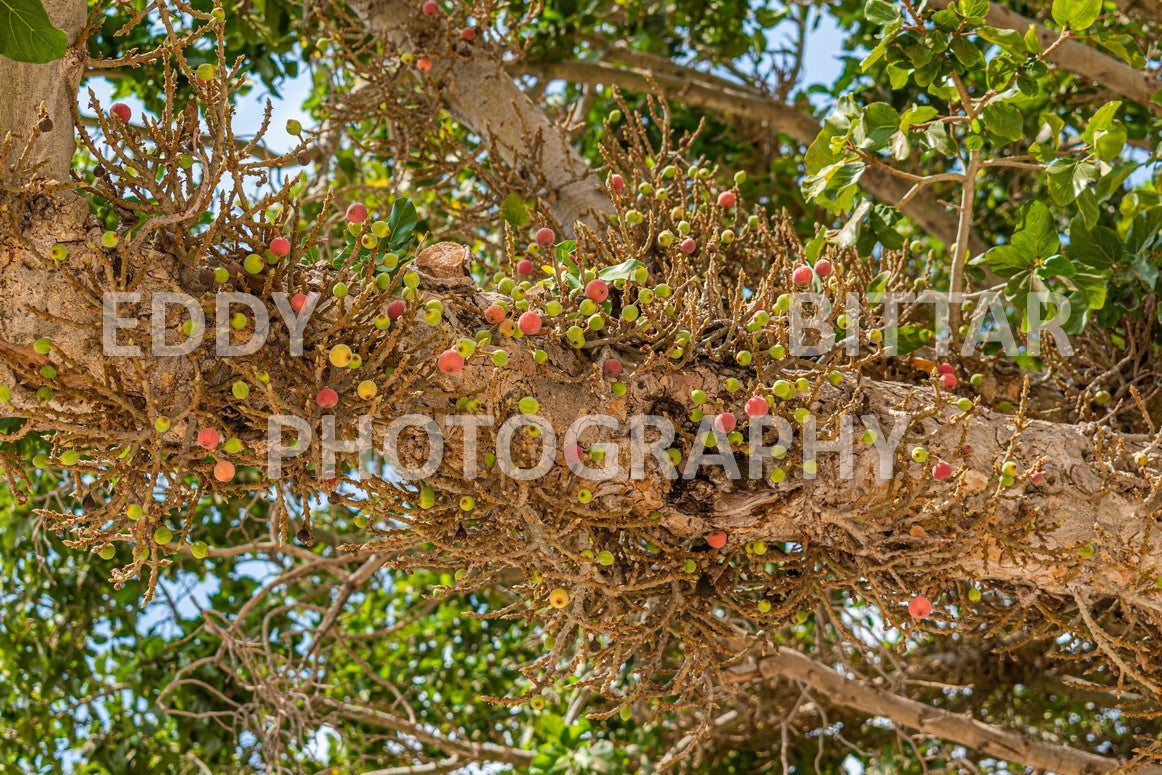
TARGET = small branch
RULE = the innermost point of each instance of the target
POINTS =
(954, 727)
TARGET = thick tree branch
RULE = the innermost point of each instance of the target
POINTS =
(1076, 57)
(953, 727)
(706, 91)
(477, 91)
(27, 86)
(480, 752)
(1151, 9)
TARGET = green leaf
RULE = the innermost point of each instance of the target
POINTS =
(1124, 48)
(877, 286)
(1037, 237)
(1076, 14)
(620, 271)
(28, 34)
(1098, 248)
(974, 9)
(1067, 179)
(1102, 119)
(402, 221)
(880, 120)
(1004, 120)
(1006, 261)
(881, 12)
(514, 211)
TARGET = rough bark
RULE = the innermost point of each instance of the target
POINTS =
(953, 727)
(1151, 9)
(27, 86)
(478, 92)
(1078, 58)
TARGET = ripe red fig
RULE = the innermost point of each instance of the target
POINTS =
(298, 302)
(430, 8)
(823, 267)
(423, 65)
(716, 539)
(208, 438)
(920, 607)
(280, 246)
(546, 236)
(396, 309)
(946, 368)
(597, 290)
(611, 368)
(1038, 478)
(688, 245)
(726, 199)
(756, 406)
(356, 212)
(802, 275)
(467, 33)
(573, 453)
(529, 323)
(327, 398)
(725, 422)
(948, 381)
(121, 111)
(494, 314)
(941, 471)
(616, 183)
(524, 267)
(450, 362)
(223, 470)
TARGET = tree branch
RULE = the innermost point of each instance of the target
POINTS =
(967, 731)
(1078, 58)
(478, 92)
(699, 89)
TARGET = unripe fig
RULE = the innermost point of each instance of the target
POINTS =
(366, 390)
(558, 598)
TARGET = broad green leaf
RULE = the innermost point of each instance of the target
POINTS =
(1068, 178)
(1102, 119)
(1037, 237)
(974, 9)
(1098, 248)
(514, 211)
(27, 34)
(881, 12)
(620, 271)
(880, 120)
(1006, 260)
(1076, 14)
(1004, 120)
(402, 221)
